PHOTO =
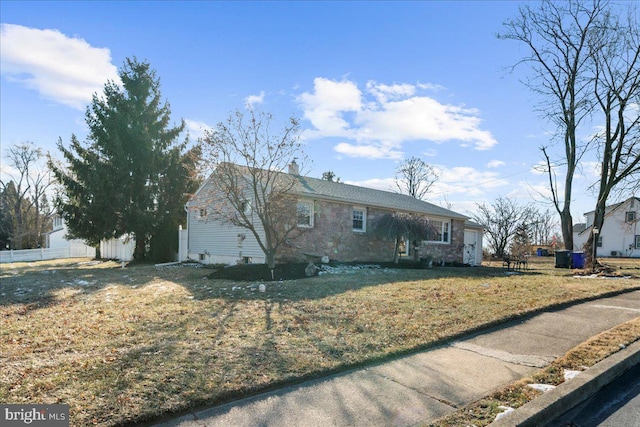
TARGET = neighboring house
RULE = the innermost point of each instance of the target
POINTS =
(620, 233)
(121, 249)
(57, 239)
(338, 222)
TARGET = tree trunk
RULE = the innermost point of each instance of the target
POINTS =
(270, 259)
(98, 252)
(396, 253)
(567, 228)
(598, 222)
(141, 248)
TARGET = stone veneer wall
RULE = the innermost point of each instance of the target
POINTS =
(332, 235)
(449, 253)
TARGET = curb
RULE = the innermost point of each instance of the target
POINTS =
(543, 409)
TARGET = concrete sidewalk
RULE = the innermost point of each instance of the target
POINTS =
(428, 385)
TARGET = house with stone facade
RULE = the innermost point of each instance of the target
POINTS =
(336, 221)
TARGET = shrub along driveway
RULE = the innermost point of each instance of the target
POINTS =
(124, 345)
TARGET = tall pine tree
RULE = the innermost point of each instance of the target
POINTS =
(132, 174)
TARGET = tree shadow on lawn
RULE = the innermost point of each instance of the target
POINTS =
(34, 287)
(39, 287)
(253, 281)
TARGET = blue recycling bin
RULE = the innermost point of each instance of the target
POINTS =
(539, 251)
(577, 259)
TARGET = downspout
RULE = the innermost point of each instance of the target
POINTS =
(186, 209)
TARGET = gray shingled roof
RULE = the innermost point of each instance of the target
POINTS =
(340, 192)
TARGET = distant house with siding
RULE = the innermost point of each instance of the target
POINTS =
(58, 238)
(620, 233)
(338, 220)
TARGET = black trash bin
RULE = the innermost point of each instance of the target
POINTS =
(563, 259)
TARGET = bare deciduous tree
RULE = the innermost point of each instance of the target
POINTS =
(330, 176)
(501, 221)
(543, 227)
(250, 189)
(415, 177)
(400, 226)
(556, 35)
(617, 91)
(30, 209)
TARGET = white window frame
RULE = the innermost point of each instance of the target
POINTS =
(445, 231)
(630, 216)
(245, 206)
(637, 241)
(311, 214)
(364, 219)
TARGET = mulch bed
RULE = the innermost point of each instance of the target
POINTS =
(290, 271)
(253, 272)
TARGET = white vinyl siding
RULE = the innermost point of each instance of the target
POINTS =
(213, 241)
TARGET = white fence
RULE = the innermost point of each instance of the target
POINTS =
(25, 255)
(121, 249)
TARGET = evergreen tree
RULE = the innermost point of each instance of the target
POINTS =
(130, 175)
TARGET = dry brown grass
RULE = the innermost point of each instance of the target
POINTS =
(125, 345)
(581, 357)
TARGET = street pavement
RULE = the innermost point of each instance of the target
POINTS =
(617, 404)
(425, 386)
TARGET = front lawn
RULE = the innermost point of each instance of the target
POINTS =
(121, 345)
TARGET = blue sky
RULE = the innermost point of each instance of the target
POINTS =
(372, 82)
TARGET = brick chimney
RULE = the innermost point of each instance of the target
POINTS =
(293, 168)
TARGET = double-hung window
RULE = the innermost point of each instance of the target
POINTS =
(438, 231)
(304, 214)
(638, 241)
(630, 216)
(359, 219)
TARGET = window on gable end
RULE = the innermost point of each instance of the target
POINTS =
(630, 216)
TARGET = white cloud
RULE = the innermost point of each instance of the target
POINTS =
(431, 86)
(326, 107)
(384, 92)
(396, 114)
(495, 163)
(379, 151)
(463, 182)
(195, 128)
(252, 100)
(64, 69)
(590, 170)
(385, 184)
